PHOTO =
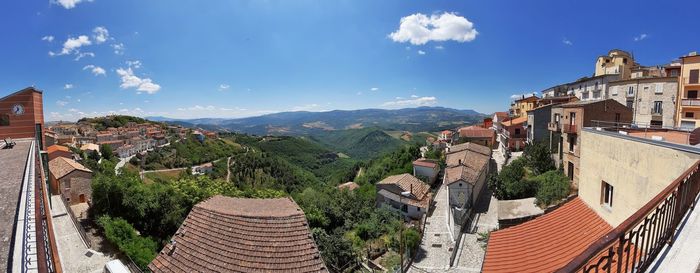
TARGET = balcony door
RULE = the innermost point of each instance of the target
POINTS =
(570, 171)
(572, 119)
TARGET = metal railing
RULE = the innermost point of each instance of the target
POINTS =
(47, 251)
(554, 126)
(690, 102)
(640, 126)
(633, 245)
(569, 128)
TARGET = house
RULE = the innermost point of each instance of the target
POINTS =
(125, 151)
(619, 198)
(90, 147)
(498, 118)
(104, 137)
(71, 180)
(519, 107)
(446, 136)
(351, 186)
(426, 168)
(652, 99)
(466, 173)
(115, 144)
(566, 123)
(55, 151)
(616, 62)
(198, 136)
(203, 169)
(405, 193)
(479, 135)
(688, 106)
(225, 234)
(512, 135)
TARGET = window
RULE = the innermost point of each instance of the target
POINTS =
(4, 120)
(688, 124)
(624, 60)
(617, 117)
(690, 114)
(692, 94)
(570, 171)
(404, 208)
(693, 76)
(656, 108)
(606, 195)
(630, 103)
(657, 123)
(614, 91)
(659, 88)
(584, 96)
(674, 73)
(630, 91)
(572, 143)
(517, 131)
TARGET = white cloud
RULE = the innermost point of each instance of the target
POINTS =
(419, 29)
(69, 4)
(439, 47)
(414, 101)
(47, 38)
(224, 87)
(374, 89)
(414, 96)
(421, 52)
(72, 45)
(134, 64)
(641, 37)
(68, 86)
(83, 55)
(96, 70)
(520, 96)
(118, 48)
(73, 110)
(567, 42)
(61, 103)
(100, 35)
(307, 107)
(129, 80)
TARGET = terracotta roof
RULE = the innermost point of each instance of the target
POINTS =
(470, 146)
(531, 97)
(57, 148)
(466, 163)
(546, 243)
(406, 182)
(425, 163)
(515, 121)
(90, 146)
(476, 132)
(224, 234)
(446, 132)
(502, 116)
(351, 186)
(62, 166)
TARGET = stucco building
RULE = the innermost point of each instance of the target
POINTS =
(519, 107)
(616, 62)
(404, 193)
(479, 135)
(688, 110)
(426, 168)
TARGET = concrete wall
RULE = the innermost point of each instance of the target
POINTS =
(537, 124)
(645, 95)
(636, 170)
(430, 173)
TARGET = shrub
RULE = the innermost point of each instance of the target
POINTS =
(538, 158)
(511, 182)
(118, 231)
(553, 186)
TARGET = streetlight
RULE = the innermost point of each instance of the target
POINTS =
(406, 194)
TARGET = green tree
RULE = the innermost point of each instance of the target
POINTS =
(335, 249)
(538, 158)
(106, 151)
(118, 231)
(512, 183)
(553, 186)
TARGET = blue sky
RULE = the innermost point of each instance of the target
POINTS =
(242, 58)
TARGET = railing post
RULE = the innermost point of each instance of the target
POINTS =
(620, 249)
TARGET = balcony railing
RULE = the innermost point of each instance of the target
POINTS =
(686, 80)
(569, 128)
(690, 102)
(554, 126)
(634, 244)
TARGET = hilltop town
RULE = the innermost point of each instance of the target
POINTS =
(597, 174)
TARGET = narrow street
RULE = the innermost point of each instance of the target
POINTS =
(436, 247)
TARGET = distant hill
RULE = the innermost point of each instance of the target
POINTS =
(420, 119)
(359, 143)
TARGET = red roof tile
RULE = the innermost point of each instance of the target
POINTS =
(476, 132)
(420, 191)
(424, 163)
(55, 148)
(224, 234)
(547, 243)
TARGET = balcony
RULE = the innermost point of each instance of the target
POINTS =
(687, 81)
(554, 126)
(690, 102)
(569, 128)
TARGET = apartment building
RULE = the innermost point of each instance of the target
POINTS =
(688, 110)
(566, 123)
(652, 99)
(519, 107)
(616, 62)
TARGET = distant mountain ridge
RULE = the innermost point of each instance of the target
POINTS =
(302, 122)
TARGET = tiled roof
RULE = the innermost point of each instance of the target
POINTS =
(425, 163)
(502, 116)
(55, 148)
(476, 131)
(62, 166)
(515, 121)
(90, 146)
(470, 146)
(465, 162)
(348, 186)
(407, 182)
(546, 243)
(224, 234)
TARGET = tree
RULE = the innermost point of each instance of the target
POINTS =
(94, 155)
(106, 151)
(511, 182)
(118, 231)
(553, 186)
(335, 249)
(538, 158)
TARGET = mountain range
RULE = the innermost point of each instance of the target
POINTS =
(420, 119)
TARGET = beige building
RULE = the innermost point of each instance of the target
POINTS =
(688, 110)
(70, 179)
(652, 99)
(519, 107)
(617, 62)
(620, 173)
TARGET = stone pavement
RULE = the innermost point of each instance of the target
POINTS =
(471, 254)
(684, 255)
(75, 256)
(436, 247)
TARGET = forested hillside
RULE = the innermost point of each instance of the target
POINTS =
(359, 143)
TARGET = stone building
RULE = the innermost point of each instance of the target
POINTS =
(70, 179)
(652, 99)
(405, 193)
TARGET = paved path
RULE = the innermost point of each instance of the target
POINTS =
(436, 247)
(684, 255)
(471, 254)
(121, 164)
(75, 256)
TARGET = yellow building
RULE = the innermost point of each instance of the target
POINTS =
(616, 62)
(688, 110)
(519, 108)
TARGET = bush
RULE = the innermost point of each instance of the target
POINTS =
(552, 187)
(118, 231)
(538, 158)
(511, 182)
(106, 151)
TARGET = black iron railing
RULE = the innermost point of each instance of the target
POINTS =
(47, 251)
(634, 244)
